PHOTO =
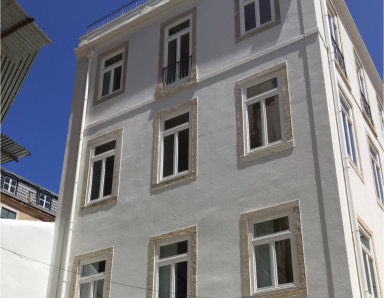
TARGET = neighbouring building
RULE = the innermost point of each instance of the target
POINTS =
(21, 41)
(223, 148)
(22, 199)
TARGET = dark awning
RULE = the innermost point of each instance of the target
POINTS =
(10, 151)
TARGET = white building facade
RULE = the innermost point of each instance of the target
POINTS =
(223, 149)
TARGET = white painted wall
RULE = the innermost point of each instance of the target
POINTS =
(26, 249)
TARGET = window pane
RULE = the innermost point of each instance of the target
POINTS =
(170, 71)
(273, 119)
(367, 273)
(178, 28)
(263, 266)
(168, 154)
(113, 60)
(105, 147)
(172, 46)
(173, 249)
(344, 106)
(265, 11)
(106, 82)
(93, 268)
(365, 241)
(373, 279)
(352, 143)
(183, 150)
(262, 88)
(181, 279)
(165, 281)
(98, 288)
(271, 226)
(117, 79)
(254, 125)
(346, 135)
(108, 176)
(184, 56)
(6, 213)
(284, 261)
(96, 178)
(176, 121)
(249, 16)
(85, 290)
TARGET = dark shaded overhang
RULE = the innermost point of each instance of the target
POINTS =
(11, 151)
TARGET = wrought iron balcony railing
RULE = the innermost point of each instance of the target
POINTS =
(115, 14)
(338, 55)
(177, 74)
(367, 108)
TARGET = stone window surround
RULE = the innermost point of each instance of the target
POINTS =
(190, 232)
(364, 227)
(117, 135)
(103, 56)
(159, 89)
(272, 149)
(245, 218)
(104, 254)
(190, 105)
(240, 37)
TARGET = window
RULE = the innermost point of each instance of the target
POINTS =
(103, 169)
(91, 275)
(348, 130)
(369, 264)
(111, 73)
(6, 213)
(254, 15)
(263, 108)
(173, 265)
(44, 200)
(377, 175)
(177, 52)
(335, 39)
(175, 141)
(9, 184)
(363, 92)
(272, 251)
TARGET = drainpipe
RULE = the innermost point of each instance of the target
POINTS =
(68, 238)
(345, 159)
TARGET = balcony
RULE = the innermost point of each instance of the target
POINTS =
(339, 56)
(177, 74)
(367, 108)
(115, 14)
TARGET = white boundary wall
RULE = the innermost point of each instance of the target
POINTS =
(26, 248)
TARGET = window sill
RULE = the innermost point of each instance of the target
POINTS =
(266, 151)
(107, 97)
(282, 292)
(356, 169)
(99, 203)
(343, 76)
(160, 93)
(255, 31)
(370, 124)
(174, 180)
(380, 203)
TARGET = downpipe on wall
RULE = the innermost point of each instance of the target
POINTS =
(68, 236)
(345, 159)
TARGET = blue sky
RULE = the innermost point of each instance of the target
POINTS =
(38, 119)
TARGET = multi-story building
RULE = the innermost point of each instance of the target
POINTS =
(25, 200)
(223, 148)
